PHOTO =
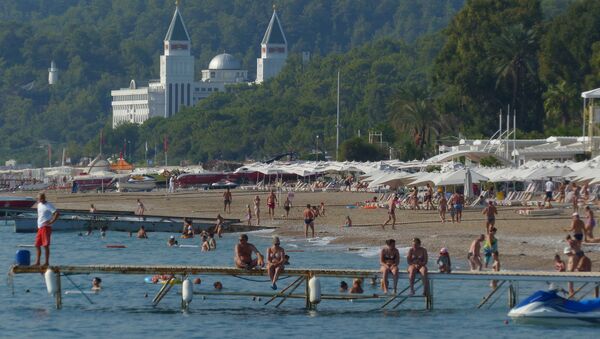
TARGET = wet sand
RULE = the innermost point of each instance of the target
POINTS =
(523, 242)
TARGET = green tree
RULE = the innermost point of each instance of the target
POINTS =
(357, 149)
(558, 104)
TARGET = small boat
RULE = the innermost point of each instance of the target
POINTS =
(136, 183)
(223, 184)
(548, 306)
(16, 202)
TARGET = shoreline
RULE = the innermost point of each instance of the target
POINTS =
(524, 242)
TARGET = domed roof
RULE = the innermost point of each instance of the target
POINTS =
(224, 61)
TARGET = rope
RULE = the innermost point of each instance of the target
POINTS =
(256, 280)
(77, 287)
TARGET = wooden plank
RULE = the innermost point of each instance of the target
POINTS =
(539, 276)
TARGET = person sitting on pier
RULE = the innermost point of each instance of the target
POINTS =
(389, 259)
(275, 261)
(584, 263)
(357, 286)
(142, 233)
(219, 226)
(243, 254)
(559, 265)
(172, 242)
(96, 284)
(417, 263)
(343, 287)
(444, 262)
(474, 255)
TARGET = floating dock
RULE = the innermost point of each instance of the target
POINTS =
(25, 220)
(304, 275)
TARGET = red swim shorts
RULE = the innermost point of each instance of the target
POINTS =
(43, 236)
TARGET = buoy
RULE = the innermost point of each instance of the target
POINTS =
(51, 284)
(23, 258)
(187, 290)
(314, 288)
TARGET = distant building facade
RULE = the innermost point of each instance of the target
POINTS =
(177, 88)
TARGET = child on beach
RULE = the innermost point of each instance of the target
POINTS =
(559, 265)
(248, 215)
(322, 209)
(443, 261)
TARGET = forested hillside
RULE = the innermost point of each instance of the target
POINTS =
(400, 74)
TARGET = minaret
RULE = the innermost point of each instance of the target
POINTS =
(52, 74)
(177, 66)
(273, 51)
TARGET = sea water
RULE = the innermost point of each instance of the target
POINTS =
(124, 306)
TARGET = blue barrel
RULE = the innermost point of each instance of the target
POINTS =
(23, 258)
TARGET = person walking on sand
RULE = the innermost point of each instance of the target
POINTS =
(389, 260)
(474, 255)
(257, 209)
(428, 197)
(271, 201)
(391, 213)
(248, 215)
(575, 197)
(549, 188)
(172, 184)
(287, 205)
(47, 215)
(227, 198)
(219, 226)
(140, 208)
(275, 261)
(443, 203)
(490, 213)
(309, 219)
(590, 223)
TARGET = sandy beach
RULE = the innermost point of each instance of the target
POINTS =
(524, 242)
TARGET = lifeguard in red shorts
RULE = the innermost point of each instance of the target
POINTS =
(47, 215)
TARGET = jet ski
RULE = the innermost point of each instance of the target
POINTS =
(548, 306)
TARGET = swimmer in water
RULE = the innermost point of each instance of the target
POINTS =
(96, 284)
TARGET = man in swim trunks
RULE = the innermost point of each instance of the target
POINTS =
(243, 254)
(227, 198)
(417, 263)
(271, 201)
(389, 259)
(47, 215)
(490, 212)
(309, 218)
(577, 227)
(474, 255)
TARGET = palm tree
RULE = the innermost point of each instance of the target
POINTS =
(414, 112)
(513, 57)
(557, 102)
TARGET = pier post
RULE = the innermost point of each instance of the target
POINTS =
(307, 291)
(58, 291)
(512, 295)
(429, 296)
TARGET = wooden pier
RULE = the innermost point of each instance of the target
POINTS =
(303, 276)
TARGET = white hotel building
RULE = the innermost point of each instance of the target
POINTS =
(177, 87)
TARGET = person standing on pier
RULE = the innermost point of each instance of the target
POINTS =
(275, 261)
(243, 254)
(47, 215)
(389, 259)
(417, 263)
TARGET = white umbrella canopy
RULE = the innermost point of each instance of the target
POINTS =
(423, 178)
(458, 178)
(585, 174)
(394, 179)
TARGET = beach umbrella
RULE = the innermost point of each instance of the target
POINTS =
(468, 183)
(458, 178)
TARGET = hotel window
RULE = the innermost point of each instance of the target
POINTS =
(212, 74)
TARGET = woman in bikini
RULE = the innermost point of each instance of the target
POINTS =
(389, 259)
(275, 261)
(590, 223)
